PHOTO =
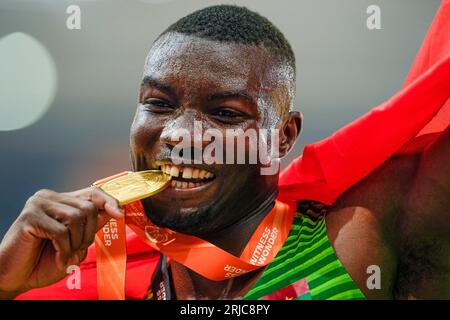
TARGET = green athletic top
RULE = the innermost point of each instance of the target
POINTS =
(306, 268)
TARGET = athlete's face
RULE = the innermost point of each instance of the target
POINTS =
(222, 86)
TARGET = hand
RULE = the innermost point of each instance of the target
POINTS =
(52, 232)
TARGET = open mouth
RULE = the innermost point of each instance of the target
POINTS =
(184, 177)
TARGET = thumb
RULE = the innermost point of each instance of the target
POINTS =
(102, 219)
(101, 200)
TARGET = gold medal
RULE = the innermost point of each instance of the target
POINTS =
(133, 186)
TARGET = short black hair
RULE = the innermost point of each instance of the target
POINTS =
(229, 23)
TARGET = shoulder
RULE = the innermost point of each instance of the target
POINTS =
(401, 205)
(427, 203)
(361, 224)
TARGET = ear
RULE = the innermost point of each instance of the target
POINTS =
(289, 131)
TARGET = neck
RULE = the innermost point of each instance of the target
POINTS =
(232, 239)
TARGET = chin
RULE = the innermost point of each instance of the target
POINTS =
(187, 220)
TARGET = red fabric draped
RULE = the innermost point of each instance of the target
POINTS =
(435, 48)
(406, 123)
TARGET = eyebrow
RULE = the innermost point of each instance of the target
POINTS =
(157, 84)
(230, 95)
(242, 95)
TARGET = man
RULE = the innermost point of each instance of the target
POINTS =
(230, 68)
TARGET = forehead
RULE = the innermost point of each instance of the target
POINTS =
(206, 63)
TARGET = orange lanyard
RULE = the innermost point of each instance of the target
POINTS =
(198, 255)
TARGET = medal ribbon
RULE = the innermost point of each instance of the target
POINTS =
(198, 255)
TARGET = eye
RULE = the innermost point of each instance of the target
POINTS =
(227, 115)
(158, 105)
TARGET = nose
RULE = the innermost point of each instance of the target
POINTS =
(185, 133)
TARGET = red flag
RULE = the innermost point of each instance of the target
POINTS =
(406, 123)
(435, 48)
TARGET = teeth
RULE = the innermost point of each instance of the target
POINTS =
(185, 185)
(174, 171)
(187, 173)
(202, 174)
(182, 184)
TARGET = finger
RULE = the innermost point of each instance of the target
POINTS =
(102, 219)
(101, 200)
(88, 222)
(90, 227)
(89, 214)
(73, 218)
(78, 257)
(45, 227)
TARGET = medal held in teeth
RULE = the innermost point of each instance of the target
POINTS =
(128, 187)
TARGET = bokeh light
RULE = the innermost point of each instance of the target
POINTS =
(27, 81)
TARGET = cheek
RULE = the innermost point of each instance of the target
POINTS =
(243, 146)
(144, 132)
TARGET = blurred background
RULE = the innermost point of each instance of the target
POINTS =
(67, 97)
